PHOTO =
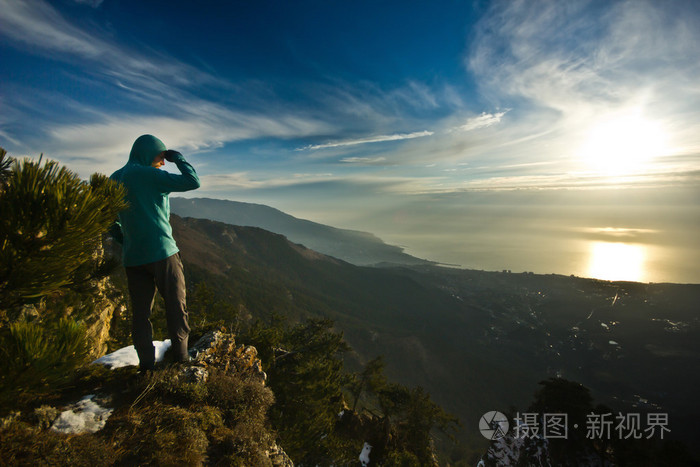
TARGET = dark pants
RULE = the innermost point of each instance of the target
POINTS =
(167, 275)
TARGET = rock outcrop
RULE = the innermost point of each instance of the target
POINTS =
(219, 350)
(108, 303)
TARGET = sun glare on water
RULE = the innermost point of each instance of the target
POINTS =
(623, 144)
(616, 261)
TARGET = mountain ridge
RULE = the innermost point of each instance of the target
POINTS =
(354, 246)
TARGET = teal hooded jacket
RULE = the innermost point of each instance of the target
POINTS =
(144, 228)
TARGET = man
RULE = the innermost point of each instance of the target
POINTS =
(149, 253)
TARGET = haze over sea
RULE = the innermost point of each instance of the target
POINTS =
(639, 235)
(607, 253)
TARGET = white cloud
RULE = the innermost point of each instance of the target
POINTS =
(364, 108)
(363, 160)
(232, 181)
(569, 57)
(38, 24)
(482, 121)
(371, 139)
(104, 145)
(90, 3)
(236, 182)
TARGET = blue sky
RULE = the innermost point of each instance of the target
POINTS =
(419, 121)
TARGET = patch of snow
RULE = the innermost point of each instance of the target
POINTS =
(340, 415)
(85, 416)
(364, 455)
(127, 356)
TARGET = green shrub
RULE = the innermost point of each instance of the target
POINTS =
(241, 399)
(50, 230)
(159, 434)
(38, 357)
(172, 386)
(402, 459)
(24, 445)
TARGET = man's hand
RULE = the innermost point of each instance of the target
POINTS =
(172, 156)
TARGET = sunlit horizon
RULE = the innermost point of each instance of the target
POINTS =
(616, 261)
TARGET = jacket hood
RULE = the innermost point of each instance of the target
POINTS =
(145, 149)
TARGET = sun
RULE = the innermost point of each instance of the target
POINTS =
(623, 144)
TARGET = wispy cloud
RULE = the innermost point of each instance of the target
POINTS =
(154, 81)
(90, 3)
(107, 141)
(578, 181)
(561, 56)
(38, 24)
(524, 49)
(371, 139)
(363, 160)
(482, 121)
(233, 181)
(619, 234)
